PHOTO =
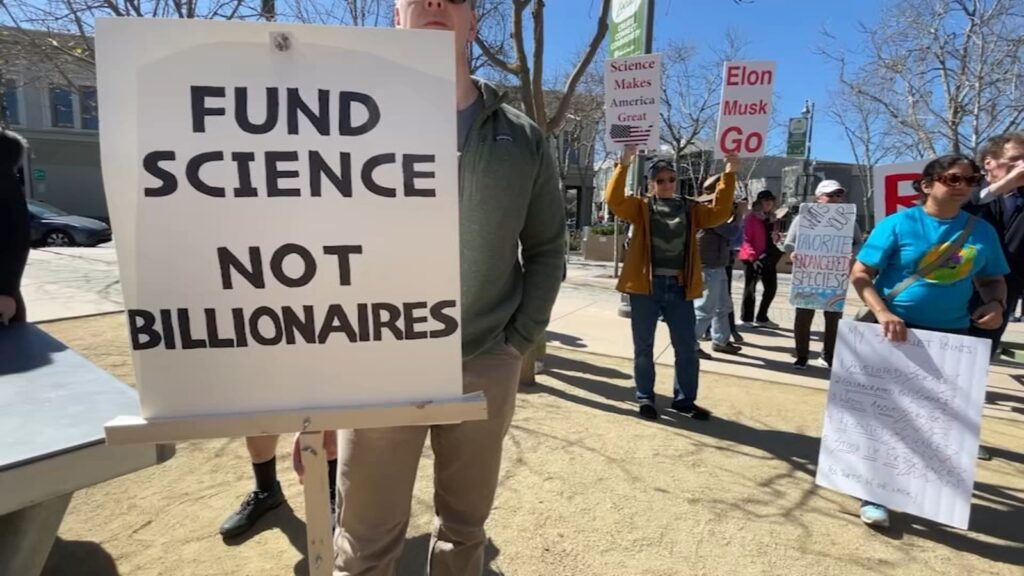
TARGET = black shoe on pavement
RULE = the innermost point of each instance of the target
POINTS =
(800, 364)
(984, 454)
(692, 410)
(737, 337)
(255, 505)
(648, 412)
(727, 348)
(702, 354)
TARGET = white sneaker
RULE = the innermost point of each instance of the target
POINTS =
(538, 367)
(822, 362)
(766, 324)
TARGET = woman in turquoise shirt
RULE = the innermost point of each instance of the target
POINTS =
(908, 241)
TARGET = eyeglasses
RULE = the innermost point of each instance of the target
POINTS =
(836, 194)
(665, 181)
(954, 180)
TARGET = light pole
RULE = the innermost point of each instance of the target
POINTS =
(808, 115)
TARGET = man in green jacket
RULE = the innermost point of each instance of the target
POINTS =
(508, 196)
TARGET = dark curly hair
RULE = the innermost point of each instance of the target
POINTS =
(939, 166)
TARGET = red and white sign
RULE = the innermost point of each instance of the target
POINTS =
(893, 187)
(745, 113)
(632, 102)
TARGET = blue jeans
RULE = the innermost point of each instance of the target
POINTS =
(714, 307)
(668, 301)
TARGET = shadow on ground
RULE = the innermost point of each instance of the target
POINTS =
(1003, 521)
(77, 557)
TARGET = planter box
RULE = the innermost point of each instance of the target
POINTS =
(601, 248)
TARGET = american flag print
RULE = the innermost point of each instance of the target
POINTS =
(626, 134)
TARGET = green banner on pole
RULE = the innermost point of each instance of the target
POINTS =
(796, 142)
(627, 28)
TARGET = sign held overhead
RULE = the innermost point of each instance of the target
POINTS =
(632, 88)
(746, 108)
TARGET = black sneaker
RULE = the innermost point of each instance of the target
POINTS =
(255, 505)
(690, 409)
(648, 412)
(984, 454)
(737, 337)
(702, 354)
(727, 348)
(800, 364)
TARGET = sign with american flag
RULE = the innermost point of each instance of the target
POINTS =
(632, 98)
(626, 134)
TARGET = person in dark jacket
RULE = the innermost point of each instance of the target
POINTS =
(1001, 203)
(714, 307)
(14, 231)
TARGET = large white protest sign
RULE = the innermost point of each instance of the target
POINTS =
(901, 426)
(893, 187)
(632, 96)
(285, 200)
(746, 109)
(821, 259)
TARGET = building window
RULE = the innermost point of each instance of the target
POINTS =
(62, 107)
(90, 113)
(12, 110)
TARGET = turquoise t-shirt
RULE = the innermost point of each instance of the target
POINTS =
(897, 247)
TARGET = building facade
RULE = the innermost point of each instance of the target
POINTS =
(52, 102)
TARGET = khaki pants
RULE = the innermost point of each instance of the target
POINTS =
(377, 469)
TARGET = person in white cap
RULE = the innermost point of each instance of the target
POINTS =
(827, 192)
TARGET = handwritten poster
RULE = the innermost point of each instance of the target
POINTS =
(821, 260)
(902, 421)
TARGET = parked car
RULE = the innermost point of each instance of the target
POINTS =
(52, 226)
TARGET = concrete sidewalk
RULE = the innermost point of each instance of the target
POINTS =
(73, 282)
(586, 318)
(64, 283)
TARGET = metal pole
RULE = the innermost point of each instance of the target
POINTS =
(807, 152)
(615, 245)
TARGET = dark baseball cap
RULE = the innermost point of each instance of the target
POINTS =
(765, 195)
(659, 166)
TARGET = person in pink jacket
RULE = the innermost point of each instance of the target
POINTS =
(759, 254)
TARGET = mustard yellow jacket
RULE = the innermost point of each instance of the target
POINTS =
(636, 277)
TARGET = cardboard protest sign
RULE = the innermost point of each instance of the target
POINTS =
(821, 260)
(632, 99)
(746, 109)
(285, 200)
(892, 186)
(902, 421)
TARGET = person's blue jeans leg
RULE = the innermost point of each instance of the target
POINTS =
(719, 286)
(713, 308)
(680, 317)
(705, 306)
(644, 314)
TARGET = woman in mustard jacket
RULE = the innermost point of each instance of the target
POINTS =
(662, 273)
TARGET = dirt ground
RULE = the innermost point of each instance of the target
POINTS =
(587, 489)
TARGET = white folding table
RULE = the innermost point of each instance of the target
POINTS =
(53, 405)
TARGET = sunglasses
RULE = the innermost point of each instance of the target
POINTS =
(665, 181)
(953, 179)
(836, 194)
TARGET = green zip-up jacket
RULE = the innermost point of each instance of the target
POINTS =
(511, 229)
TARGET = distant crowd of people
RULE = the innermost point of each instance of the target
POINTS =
(954, 263)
